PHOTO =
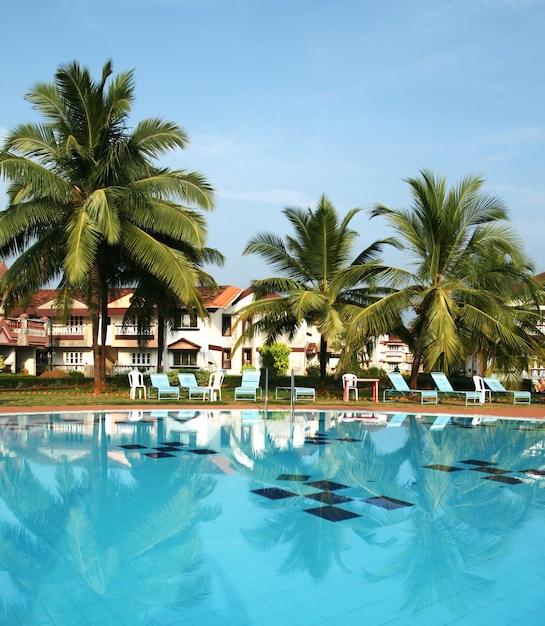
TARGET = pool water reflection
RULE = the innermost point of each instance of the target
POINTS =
(224, 517)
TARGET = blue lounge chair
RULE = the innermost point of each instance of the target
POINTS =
(189, 383)
(298, 393)
(427, 396)
(249, 386)
(444, 387)
(161, 384)
(495, 386)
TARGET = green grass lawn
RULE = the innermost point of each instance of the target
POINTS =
(51, 397)
(80, 394)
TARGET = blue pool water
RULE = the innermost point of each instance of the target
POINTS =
(223, 517)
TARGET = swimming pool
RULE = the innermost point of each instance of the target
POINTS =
(223, 517)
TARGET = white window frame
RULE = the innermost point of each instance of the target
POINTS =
(140, 359)
(72, 358)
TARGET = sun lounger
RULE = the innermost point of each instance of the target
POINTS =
(249, 388)
(427, 396)
(444, 387)
(495, 386)
(298, 392)
(162, 387)
(188, 382)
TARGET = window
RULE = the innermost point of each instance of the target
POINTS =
(75, 320)
(226, 325)
(185, 358)
(140, 358)
(226, 359)
(183, 319)
(247, 356)
(73, 358)
(246, 324)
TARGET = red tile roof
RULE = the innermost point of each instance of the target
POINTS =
(224, 296)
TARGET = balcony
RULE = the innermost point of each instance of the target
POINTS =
(22, 325)
(133, 332)
(24, 331)
(60, 330)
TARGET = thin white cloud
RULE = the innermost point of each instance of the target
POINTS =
(527, 196)
(277, 197)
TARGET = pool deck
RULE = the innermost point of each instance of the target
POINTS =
(501, 408)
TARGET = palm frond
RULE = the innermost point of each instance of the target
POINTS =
(154, 137)
(82, 239)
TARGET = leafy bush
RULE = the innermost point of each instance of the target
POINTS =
(275, 356)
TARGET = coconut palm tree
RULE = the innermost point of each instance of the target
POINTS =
(468, 284)
(319, 279)
(84, 195)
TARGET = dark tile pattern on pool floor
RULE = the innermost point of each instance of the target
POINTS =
(158, 455)
(166, 449)
(274, 493)
(443, 468)
(328, 485)
(332, 513)
(329, 497)
(387, 503)
(488, 467)
(328, 488)
(301, 477)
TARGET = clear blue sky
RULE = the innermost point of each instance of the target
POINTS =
(285, 100)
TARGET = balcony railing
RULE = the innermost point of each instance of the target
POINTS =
(38, 328)
(125, 369)
(132, 331)
(70, 367)
(65, 330)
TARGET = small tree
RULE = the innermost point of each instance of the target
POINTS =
(276, 357)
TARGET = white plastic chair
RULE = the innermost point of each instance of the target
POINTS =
(481, 388)
(136, 383)
(350, 382)
(214, 386)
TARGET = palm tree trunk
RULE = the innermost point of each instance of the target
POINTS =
(96, 309)
(417, 360)
(418, 354)
(323, 361)
(161, 328)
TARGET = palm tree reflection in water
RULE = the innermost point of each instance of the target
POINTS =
(126, 539)
(441, 547)
(53, 542)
